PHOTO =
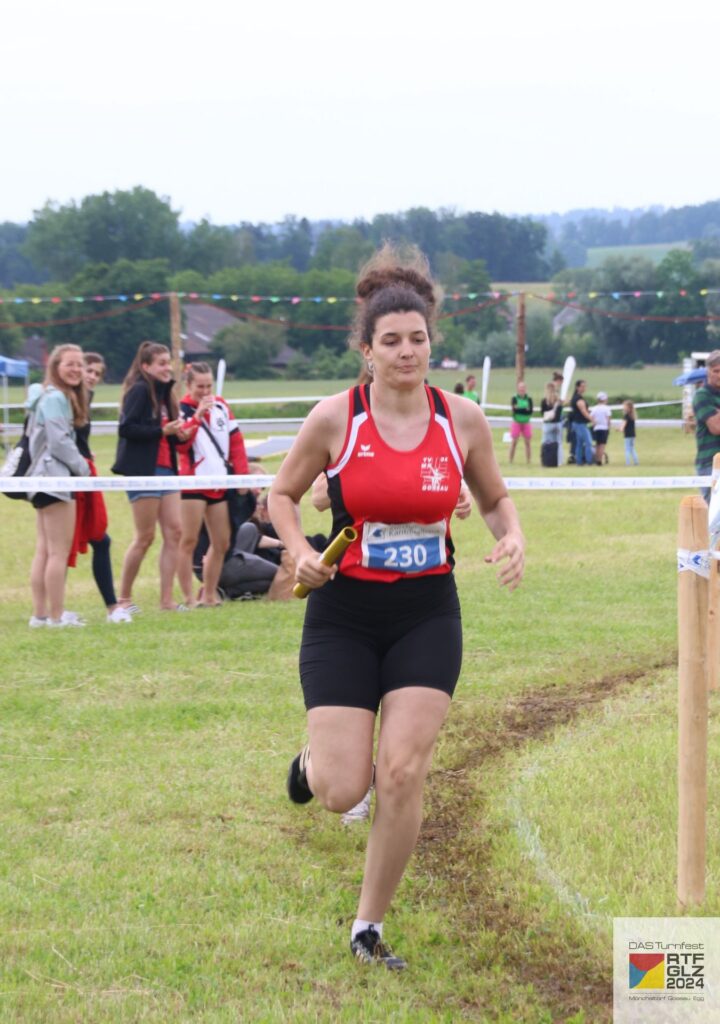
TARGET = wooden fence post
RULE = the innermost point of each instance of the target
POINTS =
(692, 701)
(175, 339)
(520, 340)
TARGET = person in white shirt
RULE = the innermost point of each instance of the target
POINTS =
(601, 416)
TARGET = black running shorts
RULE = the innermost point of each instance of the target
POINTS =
(362, 639)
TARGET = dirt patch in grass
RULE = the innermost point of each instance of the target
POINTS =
(457, 841)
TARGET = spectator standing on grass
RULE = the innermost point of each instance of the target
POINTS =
(581, 421)
(601, 415)
(214, 447)
(706, 409)
(56, 411)
(551, 406)
(471, 389)
(522, 410)
(628, 429)
(91, 509)
(149, 431)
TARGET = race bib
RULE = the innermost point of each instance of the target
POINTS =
(404, 547)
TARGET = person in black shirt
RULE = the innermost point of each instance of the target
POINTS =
(628, 428)
(581, 421)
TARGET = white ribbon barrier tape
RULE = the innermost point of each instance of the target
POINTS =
(694, 561)
(286, 400)
(607, 483)
(281, 400)
(61, 484)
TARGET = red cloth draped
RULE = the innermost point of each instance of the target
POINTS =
(91, 519)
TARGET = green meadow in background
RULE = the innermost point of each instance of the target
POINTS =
(152, 868)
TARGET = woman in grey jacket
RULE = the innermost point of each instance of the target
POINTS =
(59, 408)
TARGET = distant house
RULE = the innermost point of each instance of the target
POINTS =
(285, 356)
(202, 323)
(35, 351)
(564, 318)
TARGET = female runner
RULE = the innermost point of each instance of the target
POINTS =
(382, 630)
(214, 447)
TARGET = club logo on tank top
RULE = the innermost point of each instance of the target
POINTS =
(435, 473)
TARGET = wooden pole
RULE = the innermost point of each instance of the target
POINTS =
(713, 625)
(175, 339)
(520, 343)
(692, 707)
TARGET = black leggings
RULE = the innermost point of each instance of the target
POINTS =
(102, 570)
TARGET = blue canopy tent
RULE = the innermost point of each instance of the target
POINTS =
(11, 368)
(696, 376)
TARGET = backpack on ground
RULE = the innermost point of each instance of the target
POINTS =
(549, 454)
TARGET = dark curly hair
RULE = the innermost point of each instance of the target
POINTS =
(394, 281)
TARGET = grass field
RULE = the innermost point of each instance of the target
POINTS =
(152, 869)
(655, 252)
(651, 383)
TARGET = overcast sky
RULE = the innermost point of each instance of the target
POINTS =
(336, 110)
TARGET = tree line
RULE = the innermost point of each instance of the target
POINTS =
(574, 233)
(132, 243)
(138, 224)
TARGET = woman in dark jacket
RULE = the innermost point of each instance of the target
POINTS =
(149, 429)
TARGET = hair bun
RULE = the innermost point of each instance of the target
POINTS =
(395, 278)
(406, 277)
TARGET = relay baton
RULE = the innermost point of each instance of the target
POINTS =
(330, 555)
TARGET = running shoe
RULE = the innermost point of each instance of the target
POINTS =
(368, 947)
(119, 614)
(360, 812)
(72, 619)
(297, 786)
(36, 621)
(62, 622)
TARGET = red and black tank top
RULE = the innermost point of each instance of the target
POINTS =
(400, 502)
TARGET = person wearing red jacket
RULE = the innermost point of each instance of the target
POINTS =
(214, 447)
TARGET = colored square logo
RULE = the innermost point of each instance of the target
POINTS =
(647, 970)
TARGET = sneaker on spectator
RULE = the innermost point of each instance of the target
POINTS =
(36, 621)
(62, 623)
(72, 619)
(119, 614)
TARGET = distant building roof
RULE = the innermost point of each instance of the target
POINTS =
(202, 323)
(285, 356)
(564, 318)
(35, 350)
